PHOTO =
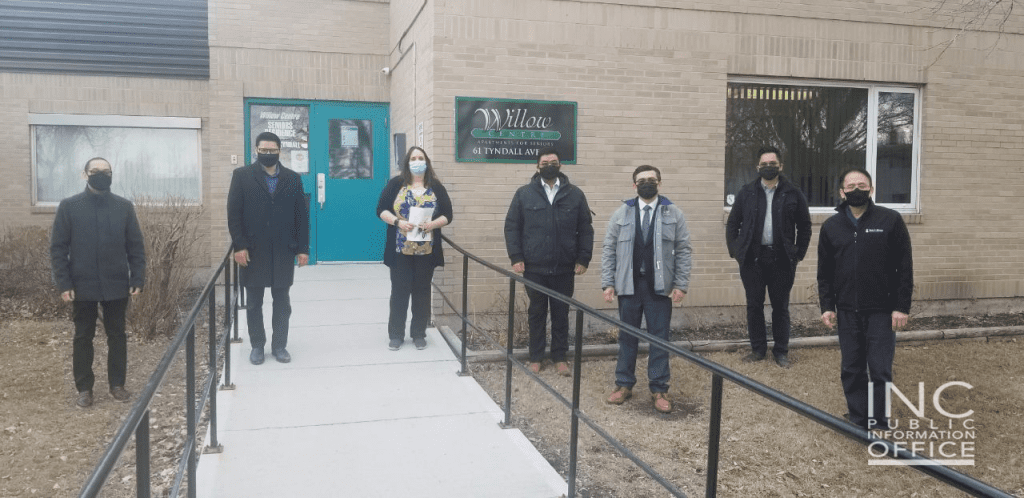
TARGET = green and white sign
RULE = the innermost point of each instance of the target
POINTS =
(512, 131)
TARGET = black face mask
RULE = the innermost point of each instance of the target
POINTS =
(549, 172)
(100, 181)
(857, 197)
(768, 172)
(647, 190)
(267, 160)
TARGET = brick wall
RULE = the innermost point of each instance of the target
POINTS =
(650, 82)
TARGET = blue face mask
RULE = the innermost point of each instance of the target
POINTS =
(418, 167)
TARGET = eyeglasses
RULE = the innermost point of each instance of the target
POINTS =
(859, 186)
(772, 164)
(268, 151)
(646, 181)
(550, 163)
(106, 172)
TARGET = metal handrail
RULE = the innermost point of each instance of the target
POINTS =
(137, 420)
(719, 372)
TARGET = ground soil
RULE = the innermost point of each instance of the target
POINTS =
(48, 447)
(767, 450)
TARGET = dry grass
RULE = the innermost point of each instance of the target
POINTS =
(767, 450)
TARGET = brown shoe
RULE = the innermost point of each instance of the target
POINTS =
(662, 403)
(563, 368)
(84, 399)
(119, 393)
(620, 395)
(534, 367)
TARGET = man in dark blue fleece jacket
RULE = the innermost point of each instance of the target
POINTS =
(866, 274)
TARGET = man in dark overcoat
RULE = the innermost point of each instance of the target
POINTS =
(98, 259)
(268, 219)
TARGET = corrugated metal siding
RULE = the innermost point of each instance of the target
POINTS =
(161, 38)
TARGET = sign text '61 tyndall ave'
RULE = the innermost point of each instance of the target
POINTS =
(512, 131)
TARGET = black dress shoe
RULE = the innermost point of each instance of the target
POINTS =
(119, 393)
(282, 356)
(256, 356)
(752, 357)
(783, 361)
(84, 399)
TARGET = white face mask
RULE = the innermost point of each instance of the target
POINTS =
(418, 167)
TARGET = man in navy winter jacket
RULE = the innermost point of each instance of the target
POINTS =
(98, 259)
(549, 235)
(865, 280)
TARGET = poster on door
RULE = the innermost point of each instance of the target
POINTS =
(350, 147)
(291, 124)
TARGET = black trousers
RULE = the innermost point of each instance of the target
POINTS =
(410, 277)
(84, 314)
(538, 315)
(282, 311)
(868, 345)
(767, 268)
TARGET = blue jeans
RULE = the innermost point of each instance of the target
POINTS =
(868, 344)
(658, 310)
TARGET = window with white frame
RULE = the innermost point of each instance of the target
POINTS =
(151, 157)
(823, 129)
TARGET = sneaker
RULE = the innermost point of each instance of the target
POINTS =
(282, 356)
(256, 356)
(119, 393)
(534, 367)
(395, 344)
(84, 399)
(783, 360)
(620, 395)
(753, 357)
(563, 368)
(420, 343)
(661, 402)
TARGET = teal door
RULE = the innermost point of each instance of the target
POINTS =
(347, 152)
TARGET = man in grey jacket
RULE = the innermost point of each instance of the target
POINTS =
(646, 263)
(98, 259)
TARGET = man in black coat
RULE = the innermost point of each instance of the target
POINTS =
(768, 232)
(866, 273)
(268, 218)
(549, 235)
(98, 259)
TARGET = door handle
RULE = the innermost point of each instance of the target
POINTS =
(321, 189)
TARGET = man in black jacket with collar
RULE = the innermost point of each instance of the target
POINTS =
(866, 273)
(768, 232)
(268, 218)
(98, 259)
(549, 235)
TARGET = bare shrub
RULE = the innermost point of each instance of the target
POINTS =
(26, 285)
(170, 228)
(493, 321)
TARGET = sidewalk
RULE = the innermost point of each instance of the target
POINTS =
(350, 418)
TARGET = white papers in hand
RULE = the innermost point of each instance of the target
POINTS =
(418, 216)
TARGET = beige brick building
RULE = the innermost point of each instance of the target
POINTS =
(651, 80)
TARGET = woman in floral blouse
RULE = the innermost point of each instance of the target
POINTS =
(415, 206)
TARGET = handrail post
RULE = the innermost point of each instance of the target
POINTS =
(508, 357)
(575, 429)
(714, 436)
(238, 298)
(213, 447)
(231, 315)
(190, 408)
(227, 292)
(465, 310)
(142, 457)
